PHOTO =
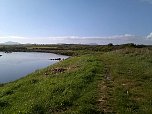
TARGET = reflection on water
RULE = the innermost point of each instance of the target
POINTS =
(18, 64)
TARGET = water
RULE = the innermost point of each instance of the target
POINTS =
(18, 64)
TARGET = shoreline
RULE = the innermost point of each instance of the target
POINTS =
(50, 59)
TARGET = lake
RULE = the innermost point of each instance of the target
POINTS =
(18, 64)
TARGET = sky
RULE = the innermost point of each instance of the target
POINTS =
(76, 21)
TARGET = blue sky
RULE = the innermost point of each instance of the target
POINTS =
(76, 21)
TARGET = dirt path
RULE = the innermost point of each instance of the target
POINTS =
(105, 88)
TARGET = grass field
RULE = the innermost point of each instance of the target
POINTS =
(127, 85)
(115, 82)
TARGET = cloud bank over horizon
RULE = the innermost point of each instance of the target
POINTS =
(115, 39)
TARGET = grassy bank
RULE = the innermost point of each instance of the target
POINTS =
(112, 82)
(73, 90)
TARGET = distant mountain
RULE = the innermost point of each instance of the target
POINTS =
(10, 43)
(92, 44)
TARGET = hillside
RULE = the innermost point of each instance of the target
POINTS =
(117, 81)
(10, 43)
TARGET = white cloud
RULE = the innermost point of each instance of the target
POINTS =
(115, 39)
(5, 38)
(149, 36)
(93, 37)
(17, 37)
(11, 37)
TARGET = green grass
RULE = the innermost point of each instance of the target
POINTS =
(115, 82)
(73, 91)
(130, 84)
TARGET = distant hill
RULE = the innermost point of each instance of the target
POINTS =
(92, 44)
(10, 43)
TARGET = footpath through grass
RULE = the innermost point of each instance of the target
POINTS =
(127, 84)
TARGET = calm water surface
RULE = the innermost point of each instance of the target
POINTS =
(18, 64)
